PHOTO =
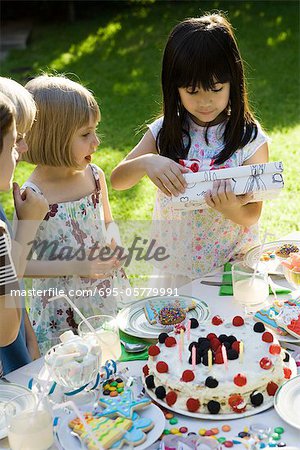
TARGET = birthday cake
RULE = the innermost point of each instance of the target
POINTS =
(217, 367)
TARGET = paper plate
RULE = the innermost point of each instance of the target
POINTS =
(287, 402)
(251, 412)
(68, 441)
(8, 391)
(272, 266)
(132, 320)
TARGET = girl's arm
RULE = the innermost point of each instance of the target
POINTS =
(237, 207)
(31, 341)
(144, 160)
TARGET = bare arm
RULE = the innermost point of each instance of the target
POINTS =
(31, 341)
(144, 160)
(237, 208)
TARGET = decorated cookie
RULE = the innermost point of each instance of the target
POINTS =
(285, 250)
(136, 435)
(108, 431)
(170, 315)
(289, 318)
(123, 405)
(153, 307)
(267, 316)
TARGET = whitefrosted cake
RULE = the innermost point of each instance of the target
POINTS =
(200, 381)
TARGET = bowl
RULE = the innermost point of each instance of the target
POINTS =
(292, 276)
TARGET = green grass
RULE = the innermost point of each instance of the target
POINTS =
(117, 54)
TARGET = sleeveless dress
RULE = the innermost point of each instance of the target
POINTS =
(198, 242)
(74, 224)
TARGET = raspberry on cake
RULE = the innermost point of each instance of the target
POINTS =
(201, 382)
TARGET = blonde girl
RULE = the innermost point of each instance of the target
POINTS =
(62, 143)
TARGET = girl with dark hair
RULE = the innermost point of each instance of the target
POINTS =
(206, 117)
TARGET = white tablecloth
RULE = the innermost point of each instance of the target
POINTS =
(225, 307)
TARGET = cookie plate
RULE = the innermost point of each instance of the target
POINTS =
(68, 441)
(132, 320)
(273, 266)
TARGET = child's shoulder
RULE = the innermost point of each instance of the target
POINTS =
(258, 138)
(155, 126)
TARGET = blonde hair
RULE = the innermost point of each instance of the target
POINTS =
(22, 101)
(63, 107)
(7, 117)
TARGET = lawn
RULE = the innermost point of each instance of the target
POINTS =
(116, 51)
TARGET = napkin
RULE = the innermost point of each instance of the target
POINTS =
(228, 290)
(133, 356)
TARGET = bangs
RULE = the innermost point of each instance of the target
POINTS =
(210, 63)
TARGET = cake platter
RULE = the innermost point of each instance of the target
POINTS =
(250, 412)
(273, 266)
(132, 320)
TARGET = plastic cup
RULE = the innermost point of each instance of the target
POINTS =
(107, 333)
(29, 427)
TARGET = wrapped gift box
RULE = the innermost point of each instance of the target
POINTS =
(264, 180)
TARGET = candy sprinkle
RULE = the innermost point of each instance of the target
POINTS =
(173, 421)
(169, 416)
(183, 430)
(279, 430)
(226, 428)
(202, 431)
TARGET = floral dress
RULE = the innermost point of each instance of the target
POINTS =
(75, 225)
(203, 240)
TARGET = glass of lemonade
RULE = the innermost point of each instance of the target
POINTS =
(107, 334)
(29, 427)
(250, 289)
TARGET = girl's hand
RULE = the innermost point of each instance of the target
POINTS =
(29, 205)
(99, 268)
(166, 174)
(223, 199)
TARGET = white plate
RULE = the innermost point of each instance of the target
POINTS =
(251, 412)
(7, 392)
(273, 266)
(132, 320)
(287, 402)
(152, 412)
(287, 338)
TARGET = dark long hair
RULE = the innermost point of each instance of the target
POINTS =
(200, 52)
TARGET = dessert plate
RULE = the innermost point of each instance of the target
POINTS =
(287, 401)
(273, 266)
(9, 391)
(67, 440)
(132, 320)
(251, 412)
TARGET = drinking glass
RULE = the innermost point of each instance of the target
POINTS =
(250, 288)
(107, 334)
(29, 427)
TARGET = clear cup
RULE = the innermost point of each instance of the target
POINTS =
(251, 290)
(29, 423)
(107, 334)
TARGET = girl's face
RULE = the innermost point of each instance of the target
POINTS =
(84, 143)
(8, 158)
(206, 106)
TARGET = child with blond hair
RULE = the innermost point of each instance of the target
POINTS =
(62, 142)
(17, 340)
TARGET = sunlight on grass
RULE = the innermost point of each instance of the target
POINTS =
(282, 36)
(87, 46)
